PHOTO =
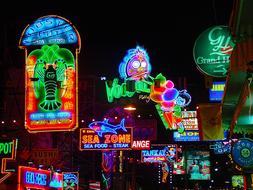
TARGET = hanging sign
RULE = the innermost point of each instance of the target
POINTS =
(242, 153)
(103, 135)
(51, 75)
(212, 51)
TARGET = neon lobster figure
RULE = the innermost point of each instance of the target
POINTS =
(50, 75)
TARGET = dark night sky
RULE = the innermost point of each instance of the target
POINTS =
(167, 30)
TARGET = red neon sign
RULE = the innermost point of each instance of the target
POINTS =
(141, 145)
(34, 178)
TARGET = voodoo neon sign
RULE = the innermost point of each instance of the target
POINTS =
(135, 71)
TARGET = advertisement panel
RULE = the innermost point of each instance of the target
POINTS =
(160, 153)
(33, 178)
(198, 165)
(91, 140)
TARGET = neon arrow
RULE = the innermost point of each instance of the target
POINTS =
(7, 152)
(222, 70)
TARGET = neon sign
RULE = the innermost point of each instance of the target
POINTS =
(50, 29)
(217, 91)
(212, 51)
(50, 90)
(29, 177)
(135, 71)
(135, 64)
(90, 140)
(101, 127)
(189, 120)
(70, 180)
(51, 75)
(186, 136)
(160, 153)
(115, 90)
(8, 150)
(242, 153)
(141, 145)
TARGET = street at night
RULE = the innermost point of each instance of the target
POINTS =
(126, 95)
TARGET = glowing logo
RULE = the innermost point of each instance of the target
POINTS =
(135, 64)
(50, 29)
(212, 51)
(104, 127)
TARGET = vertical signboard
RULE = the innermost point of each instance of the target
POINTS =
(51, 46)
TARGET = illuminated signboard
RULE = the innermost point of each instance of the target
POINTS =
(8, 150)
(217, 91)
(135, 71)
(160, 153)
(186, 136)
(189, 120)
(242, 152)
(198, 165)
(222, 147)
(90, 140)
(179, 166)
(238, 181)
(50, 75)
(135, 64)
(70, 180)
(33, 178)
(212, 51)
(141, 145)
(50, 29)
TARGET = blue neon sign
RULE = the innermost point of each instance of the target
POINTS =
(49, 30)
(35, 178)
(217, 91)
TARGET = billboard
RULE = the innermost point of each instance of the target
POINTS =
(160, 153)
(198, 165)
(186, 136)
(51, 74)
(33, 178)
(90, 140)
(217, 91)
(189, 120)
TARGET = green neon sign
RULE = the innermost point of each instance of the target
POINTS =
(50, 74)
(212, 51)
(116, 90)
(6, 149)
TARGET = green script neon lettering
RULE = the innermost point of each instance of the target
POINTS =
(116, 90)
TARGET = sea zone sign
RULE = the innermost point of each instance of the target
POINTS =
(7, 152)
(90, 140)
(51, 74)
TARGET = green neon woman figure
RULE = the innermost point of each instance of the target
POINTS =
(50, 75)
